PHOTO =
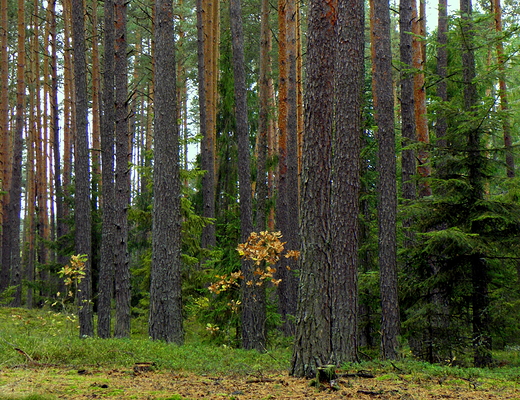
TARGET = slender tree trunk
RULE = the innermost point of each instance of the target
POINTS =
(387, 193)
(264, 117)
(122, 175)
(15, 191)
(208, 31)
(408, 157)
(82, 211)
(419, 95)
(287, 207)
(106, 268)
(479, 269)
(502, 90)
(165, 320)
(441, 125)
(253, 296)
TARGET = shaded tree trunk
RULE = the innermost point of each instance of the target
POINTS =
(502, 91)
(253, 296)
(408, 157)
(82, 205)
(479, 269)
(387, 193)
(346, 181)
(312, 347)
(122, 175)
(11, 253)
(106, 268)
(165, 320)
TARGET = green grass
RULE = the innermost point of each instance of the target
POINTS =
(51, 338)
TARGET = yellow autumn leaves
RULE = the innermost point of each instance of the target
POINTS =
(265, 249)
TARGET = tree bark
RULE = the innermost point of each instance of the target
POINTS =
(106, 268)
(408, 156)
(122, 175)
(346, 181)
(165, 320)
(312, 346)
(387, 193)
(253, 296)
(82, 211)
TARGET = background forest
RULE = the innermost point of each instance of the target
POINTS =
(150, 153)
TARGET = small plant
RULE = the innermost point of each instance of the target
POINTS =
(265, 249)
(72, 274)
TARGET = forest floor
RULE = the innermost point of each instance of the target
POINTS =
(47, 382)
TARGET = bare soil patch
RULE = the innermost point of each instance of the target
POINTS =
(94, 383)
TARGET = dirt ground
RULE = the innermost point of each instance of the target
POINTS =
(140, 383)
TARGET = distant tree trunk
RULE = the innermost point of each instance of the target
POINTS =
(165, 320)
(106, 267)
(502, 85)
(312, 347)
(479, 269)
(55, 140)
(441, 125)
(82, 210)
(208, 31)
(12, 251)
(4, 123)
(122, 176)
(287, 207)
(346, 181)
(387, 193)
(264, 116)
(253, 296)
(419, 91)
(408, 157)
(96, 112)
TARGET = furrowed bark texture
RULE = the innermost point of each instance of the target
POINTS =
(165, 321)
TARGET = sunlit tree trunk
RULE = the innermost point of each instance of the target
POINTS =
(209, 37)
(419, 89)
(387, 191)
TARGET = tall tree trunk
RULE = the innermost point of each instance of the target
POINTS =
(4, 122)
(264, 116)
(106, 268)
(502, 91)
(15, 191)
(253, 296)
(122, 176)
(82, 210)
(408, 157)
(441, 125)
(419, 95)
(208, 42)
(312, 347)
(346, 181)
(287, 207)
(165, 320)
(479, 269)
(387, 193)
